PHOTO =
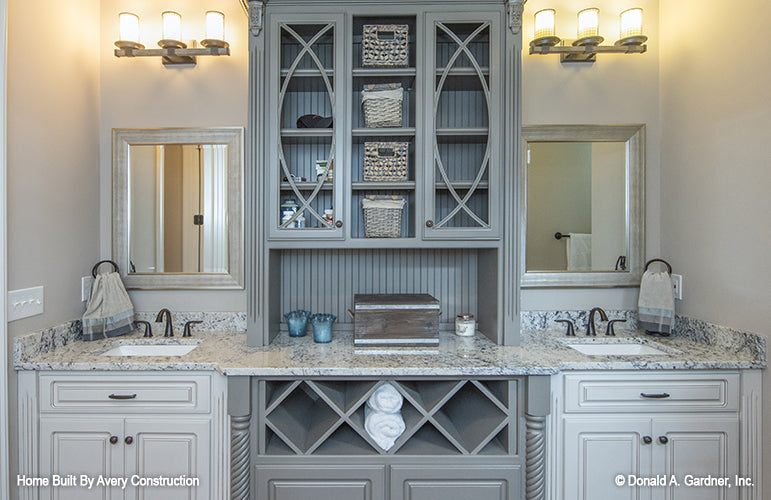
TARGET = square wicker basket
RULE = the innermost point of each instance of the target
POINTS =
(385, 45)
(385, 161)
(382, 105)
(382, 216)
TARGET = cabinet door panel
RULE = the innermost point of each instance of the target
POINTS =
(168, 448)
(320, 483)
(698, 447)
(596, 451)
(455, 483)
(75, 446)
(463, 126)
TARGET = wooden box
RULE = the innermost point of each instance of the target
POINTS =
(396, 320)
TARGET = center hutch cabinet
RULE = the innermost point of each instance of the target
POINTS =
(312, 245)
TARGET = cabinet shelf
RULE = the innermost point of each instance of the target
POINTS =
(306, 73)
(462, 185)
(307, 186)
(463, 131)
(380, 132)
(469, 71)
(307, 132)
(378, 72)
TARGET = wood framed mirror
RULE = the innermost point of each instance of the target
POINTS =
(583, 209)
(177, 204)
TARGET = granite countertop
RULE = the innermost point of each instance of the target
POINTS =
(542, 351)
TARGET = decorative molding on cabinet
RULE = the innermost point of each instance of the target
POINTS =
(239, 457)
(256, 16)
(751, 440)
(28, 431)
(514, 8)
(535, 457)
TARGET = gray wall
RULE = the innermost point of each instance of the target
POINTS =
(716, 175)
(53, 160)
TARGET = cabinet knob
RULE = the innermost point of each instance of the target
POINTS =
(647, 439)
(429, 223)
(113, 439)
(129, 440)
(338, 223)
(663, 439)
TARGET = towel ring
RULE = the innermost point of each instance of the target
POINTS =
(96, 267)
(669, 267)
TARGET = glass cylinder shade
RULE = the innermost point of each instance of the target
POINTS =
(544, 23)
(631, 23)
(588, 23)
(129, 27)
(215, 25)
(172, 26)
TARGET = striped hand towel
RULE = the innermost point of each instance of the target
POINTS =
(656, 306)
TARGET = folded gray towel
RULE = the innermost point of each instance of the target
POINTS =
(109, 312)
(656, 306)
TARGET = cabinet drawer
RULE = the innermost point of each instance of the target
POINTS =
(461, 482)
(651, 392)
(125, 393)
(321, 482)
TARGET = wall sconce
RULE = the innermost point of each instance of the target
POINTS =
(173, 50)
(587, 45)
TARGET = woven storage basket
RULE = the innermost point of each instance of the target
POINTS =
(385, 45)
(382, 105)
(383, 216)
(385, 161)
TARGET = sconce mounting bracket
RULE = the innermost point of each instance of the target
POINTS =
(174, 56)
(570, 53)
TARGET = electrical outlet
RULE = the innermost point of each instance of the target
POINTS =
(26, 302)
(677, 284)
(85, 287)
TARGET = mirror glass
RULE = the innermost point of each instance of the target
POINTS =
(582, 204)
(177, 198)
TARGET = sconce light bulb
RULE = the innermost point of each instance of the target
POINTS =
(129, 31)
(544, 28)
(172, 30)
(215, 30)
(630, 31)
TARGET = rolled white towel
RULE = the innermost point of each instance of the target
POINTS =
(386, 399)
(384, 428)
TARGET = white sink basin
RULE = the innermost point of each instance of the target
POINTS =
(150, 350)
(618, 349)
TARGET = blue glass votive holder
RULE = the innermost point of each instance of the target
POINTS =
(322, 327)
(297, 321)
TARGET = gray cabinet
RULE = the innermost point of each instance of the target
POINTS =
(459, 127)
(462, 482)
(320, 482)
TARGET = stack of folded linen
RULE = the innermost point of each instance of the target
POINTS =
(382, 416)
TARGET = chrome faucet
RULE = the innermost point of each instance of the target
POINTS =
(169, 328)
(590, 330)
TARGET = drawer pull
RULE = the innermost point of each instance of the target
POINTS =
(129, 440)
(647, 439)
(122, 396)
(114, 439)
(654, 396)
(663, 439)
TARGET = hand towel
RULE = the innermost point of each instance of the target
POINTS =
(579, 252)
(385, 399)
(384, 428)
(109, 311)
(656, 306)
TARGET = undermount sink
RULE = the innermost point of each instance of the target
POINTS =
(630, 348)
(150, 350)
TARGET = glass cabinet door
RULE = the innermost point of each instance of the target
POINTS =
(305, 76)
(464, 118)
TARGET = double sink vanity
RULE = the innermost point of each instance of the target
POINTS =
(555, 417)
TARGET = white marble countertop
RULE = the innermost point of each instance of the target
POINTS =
(541, 352)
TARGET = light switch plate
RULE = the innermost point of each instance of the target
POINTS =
(677, 284)
(85, 287)
(25, 303)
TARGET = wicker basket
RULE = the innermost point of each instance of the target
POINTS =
(385, 45)
(385, 161)
(382, 105)
(382, 216)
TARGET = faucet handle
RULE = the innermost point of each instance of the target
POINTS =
(186, 332)
(610, 331)
(148, 327)
(570, 331)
